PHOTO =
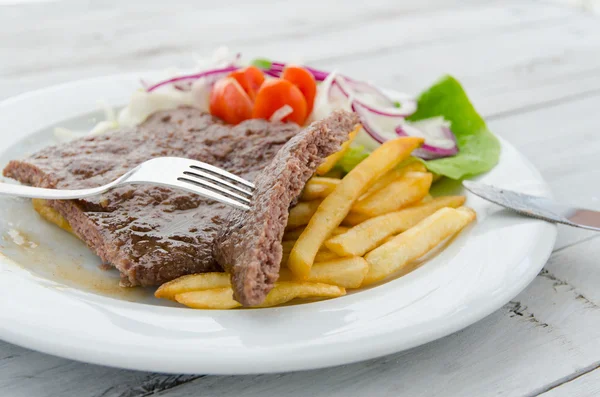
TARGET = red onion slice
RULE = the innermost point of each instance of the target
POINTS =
(336, 93)
(446, 144)
(277, 68)
(440, 141)
(373, 98)
(213, 73)
(374, 124)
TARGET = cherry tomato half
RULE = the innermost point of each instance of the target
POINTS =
(230, 102)
(305, 81)
(250, 78)
(276, 93)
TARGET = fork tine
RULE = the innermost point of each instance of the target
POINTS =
(212, 178)
(198, 165)
(201, 187)
(216, 188)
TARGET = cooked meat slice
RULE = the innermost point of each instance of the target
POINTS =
(249, 245)
(151, 234)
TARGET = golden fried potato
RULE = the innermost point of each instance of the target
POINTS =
(282, 292)
(331, 161)
(426, 199)
(343, 272)
(319, 187)
(295, 233)
(301, 213)
(394, 175)
(325, 254)
(369, 234)
(287, 246)
(408, 190)
(193, 282)
(217, 298)
(353, 219)
(416, 242)
(50, 214)
(336, 206)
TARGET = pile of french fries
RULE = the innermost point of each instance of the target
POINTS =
(347, 233)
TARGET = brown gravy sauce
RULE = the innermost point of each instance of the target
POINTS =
(66, 268)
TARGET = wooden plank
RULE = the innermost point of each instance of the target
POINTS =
(564, 152)
(586, 385)
(551, 61)
(72, 56)
(25, 373)
(149, 33)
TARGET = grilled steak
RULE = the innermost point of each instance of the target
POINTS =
(151, 234)
(249, 245)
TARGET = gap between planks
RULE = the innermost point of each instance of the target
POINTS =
(555, 386)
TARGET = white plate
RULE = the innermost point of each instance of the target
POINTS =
(53, 297)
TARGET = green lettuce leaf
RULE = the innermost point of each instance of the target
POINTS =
(479, 149)
(261, 63)
(351, 158)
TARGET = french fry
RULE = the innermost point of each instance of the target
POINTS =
(301, 213)
(343, 272)
(287, 246)
(192, 282)
(339, 230)
(282, 292)
(319, 187)
(426, 199)
(389, 238)
(218, 298)
(324, 255)
(51, 215)
(395, 174)
(295, 233)
(334, 208)
(416, 242)
(409, 189)
(369, 234)
(330, 161)
(354, 218)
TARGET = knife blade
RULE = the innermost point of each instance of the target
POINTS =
(537, 207)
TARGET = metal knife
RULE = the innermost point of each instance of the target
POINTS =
(537, 207)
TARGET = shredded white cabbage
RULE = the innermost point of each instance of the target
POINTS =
(143, 104)
(109, 111)
(323, 104)
(103, 127)
(63, 135)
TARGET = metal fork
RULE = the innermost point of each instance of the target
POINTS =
(190, 175)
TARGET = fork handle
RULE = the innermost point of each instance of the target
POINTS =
(50, 194)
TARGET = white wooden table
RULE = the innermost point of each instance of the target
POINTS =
(531, 67)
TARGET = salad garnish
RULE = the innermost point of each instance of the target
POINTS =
(457, 140)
